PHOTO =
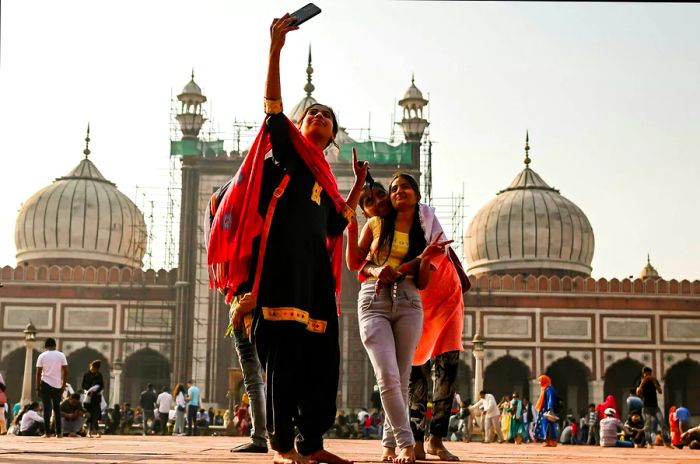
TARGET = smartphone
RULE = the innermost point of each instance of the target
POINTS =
(305, 13)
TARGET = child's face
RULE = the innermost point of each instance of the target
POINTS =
(377, 204)
(635, 417)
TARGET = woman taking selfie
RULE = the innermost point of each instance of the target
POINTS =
(284, 264)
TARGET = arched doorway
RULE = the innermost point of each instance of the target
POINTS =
(570, 377)
(505, 376)
(143, 367)
(682, 385)
(78, 362)
(12, 369)
(465, 382)
(621, 377)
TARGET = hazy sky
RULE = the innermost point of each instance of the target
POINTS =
(609, 92)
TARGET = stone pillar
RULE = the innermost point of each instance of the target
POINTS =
(595, 391)
(478, 352)
(661, 398)
(116, 395)
(29, 339)
(28, 371)
(535, 389)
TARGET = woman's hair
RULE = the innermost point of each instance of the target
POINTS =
(300, 122)
(178, 388)
(416, 237)
(96, 364)
(25, 408)
(367, 192)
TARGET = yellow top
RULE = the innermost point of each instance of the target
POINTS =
(399, 246)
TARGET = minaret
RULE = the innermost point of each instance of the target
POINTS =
(308, 99)
(190, 117)
(413, 123)
(649, 272)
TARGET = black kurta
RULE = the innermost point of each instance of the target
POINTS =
(296, 323)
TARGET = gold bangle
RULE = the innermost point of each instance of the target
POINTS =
(272, 106)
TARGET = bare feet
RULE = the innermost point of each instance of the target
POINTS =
(388, 454)
(291, 457)
(419, 451)
(406, 456)
(323, 456)
(437, 448)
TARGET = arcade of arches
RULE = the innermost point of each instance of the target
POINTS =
(505, 375)
(142, 367)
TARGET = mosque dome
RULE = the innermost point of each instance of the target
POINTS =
(81, 218)
(413, 92)
(191, 88)
(649, 271)
(529, 228)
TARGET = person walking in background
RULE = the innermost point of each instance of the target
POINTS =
(93, 384)
(528, 419)
(491, 416)
(51, 375)
(193, 400)
(180, 409)
(592, 422)
(547, 407)
(517, 423)
(148, 405)
(647, 389)
(164, 402)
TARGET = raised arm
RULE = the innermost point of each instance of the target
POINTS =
(357, 250)
(273, 92)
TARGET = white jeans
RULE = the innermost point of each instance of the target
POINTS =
(492, 424)
(390, 327)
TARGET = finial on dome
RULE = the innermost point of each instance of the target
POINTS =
(413, 78)
(86, 152)
(527, 149)
(192, 72)
(649, 271)
(309, 87)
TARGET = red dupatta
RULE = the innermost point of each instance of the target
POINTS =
(237, 221)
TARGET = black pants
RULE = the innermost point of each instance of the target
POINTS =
(93, 408)
(444, 373)
(302, 382)
(51, 399)
(192, 419)
(37, 428)
(164, 416)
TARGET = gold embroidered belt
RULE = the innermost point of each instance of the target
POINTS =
(294, 314)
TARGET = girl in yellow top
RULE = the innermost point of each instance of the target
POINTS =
(389, 306)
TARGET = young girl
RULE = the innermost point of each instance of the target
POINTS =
(389, 305)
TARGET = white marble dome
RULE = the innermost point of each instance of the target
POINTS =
(81, 218)
(529, 228)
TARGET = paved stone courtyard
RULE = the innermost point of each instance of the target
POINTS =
(213, 450)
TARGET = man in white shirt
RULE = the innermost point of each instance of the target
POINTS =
(165, 404)
(491, 415)
(51, 374)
